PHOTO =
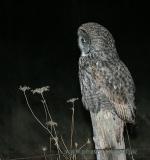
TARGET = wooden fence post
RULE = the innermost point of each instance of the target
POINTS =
(108, 136)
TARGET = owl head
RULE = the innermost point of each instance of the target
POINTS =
(93, 37)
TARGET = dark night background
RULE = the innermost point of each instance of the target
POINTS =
(38, 47)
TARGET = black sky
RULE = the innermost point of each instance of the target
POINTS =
(39, 37)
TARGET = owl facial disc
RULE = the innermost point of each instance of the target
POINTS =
(83, 42)
(83, 45)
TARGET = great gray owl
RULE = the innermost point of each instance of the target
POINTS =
(107, 89)
(105, 81)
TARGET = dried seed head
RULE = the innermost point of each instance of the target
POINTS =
(72, 100)
(76, 144)
(88, 141)
(40, 90)
(24, 88)
(51, 123)
(44, 148)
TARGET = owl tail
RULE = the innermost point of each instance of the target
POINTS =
(126, 113)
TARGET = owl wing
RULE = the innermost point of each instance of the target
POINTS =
(115, 87)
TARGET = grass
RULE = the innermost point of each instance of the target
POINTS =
(62, 150)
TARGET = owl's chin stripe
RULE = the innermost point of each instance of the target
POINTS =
(83, 54)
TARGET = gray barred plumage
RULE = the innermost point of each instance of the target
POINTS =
(105, 81)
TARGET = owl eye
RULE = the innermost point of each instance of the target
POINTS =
(83, 40)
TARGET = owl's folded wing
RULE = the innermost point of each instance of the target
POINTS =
(115, 86)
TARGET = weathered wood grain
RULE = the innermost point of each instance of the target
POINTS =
(108, 135)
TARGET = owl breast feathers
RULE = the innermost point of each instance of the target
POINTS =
(105, 81)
